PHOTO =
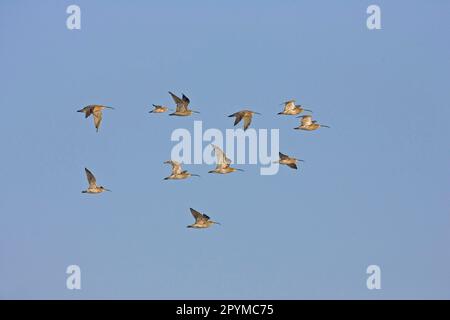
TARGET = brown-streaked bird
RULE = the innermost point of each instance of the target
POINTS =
(289, 161)
(223, 163)
(158, 109)
(96, 110)
(244, 114)
(290, 108)
(177, 173)
(93, 188)
(201, 220)
(308, 124)
(182, 106)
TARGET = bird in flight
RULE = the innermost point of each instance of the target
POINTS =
(223, 163)
(182, 106)
(244, 114)
(201, 220)
(158, 109)
(96, 110)
(289, 161)
(290, 108)
(177, 173)
(93, 188)
(308, 124)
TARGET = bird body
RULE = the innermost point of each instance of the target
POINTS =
(243, 114)
(158, 109)
(289, 161)
(96, 110)
(290, 108)
(201, 220)
(223, 163)
(177, 173)
(306, 123)
(182, 109)
(93, 188)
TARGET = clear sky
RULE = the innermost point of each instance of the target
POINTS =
(374, 189)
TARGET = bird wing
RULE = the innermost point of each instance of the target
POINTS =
(97, 118)
(238, 116)
(306, 120)
(199, 218)
(222, 159)
(289, 105)
(186, 100)
(247, 120)
(90, 178)
(176, 166)
(87, 111)
(282, 156)
(292, 165)
(181, 103)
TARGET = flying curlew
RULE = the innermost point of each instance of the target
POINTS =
(201, 220)
(93, 188)
(306, 123)
(290, 108)
(182, 106)
(223, 163)
(177, 173)
(158, 109)
(96, 110)
(244, 114)
(289, 161)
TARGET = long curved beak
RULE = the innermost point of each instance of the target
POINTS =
(195, 111)
(195, 175)
(299, 160)
(106, 189)
(308, 110)
(257, 113)
(109, 107)
(322, 125)
(216, 223)
(240, 170)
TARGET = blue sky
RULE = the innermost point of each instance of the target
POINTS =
(374, 188)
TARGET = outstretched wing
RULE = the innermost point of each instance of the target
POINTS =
(97, 118)
(292, 165)
(199, 218)
(306, 120)
(181, 103)
(283, 156)
(289, 105)
(176, 166)
(238, 116)
(222, 159)
(247, 120)
(90, 178)
(186, 100)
